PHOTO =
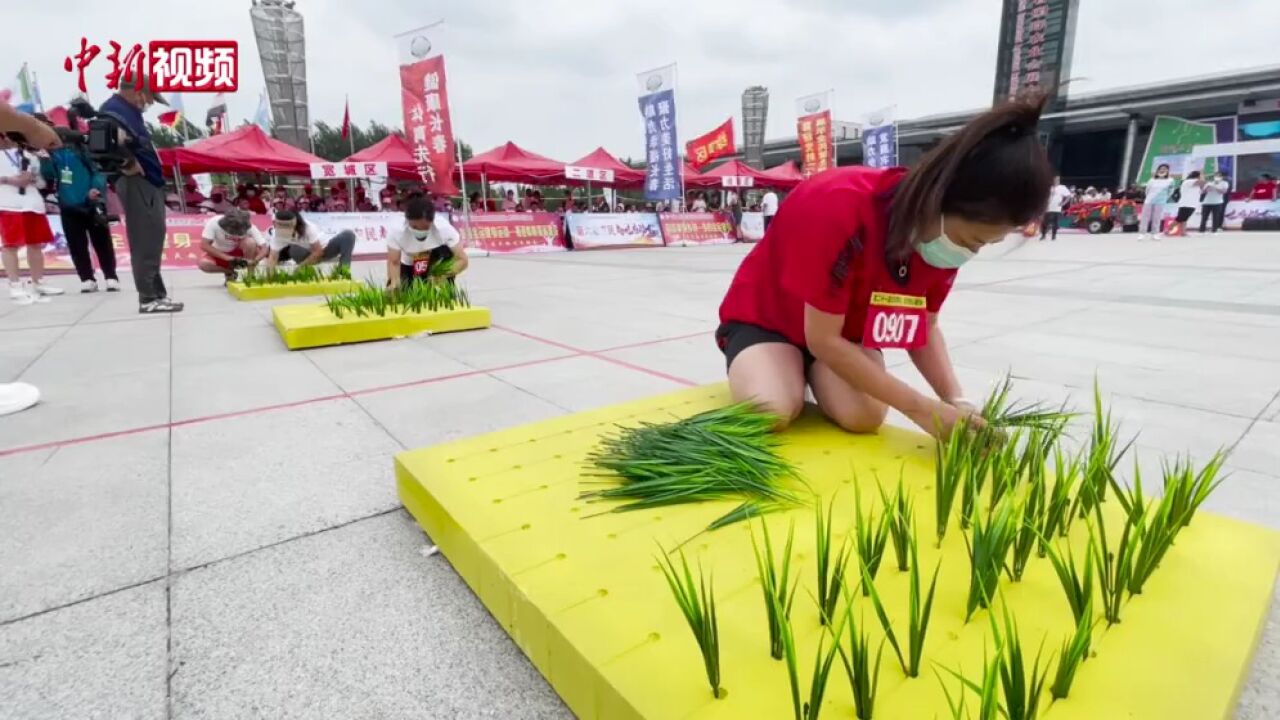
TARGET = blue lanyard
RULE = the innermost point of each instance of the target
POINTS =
(15, 157)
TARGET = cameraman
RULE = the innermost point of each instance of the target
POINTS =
(141, 191)
(81, 191)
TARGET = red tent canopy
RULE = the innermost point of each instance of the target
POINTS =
(511, 163)
(600, 159)
(393, 150)
(247, 149)
(788, 172)
(738, 169)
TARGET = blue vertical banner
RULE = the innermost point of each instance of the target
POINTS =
(662, 144)
(880, 146)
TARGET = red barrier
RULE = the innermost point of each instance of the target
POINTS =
(712, 228)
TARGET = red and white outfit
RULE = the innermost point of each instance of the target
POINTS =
(22, 220)
(220, 240)
(826, 248)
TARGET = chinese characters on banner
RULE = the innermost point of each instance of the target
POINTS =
(329, 170)
(658, 108)
(528, 232)
(682, 229)
(426, 123)
(880, 146)
(1035, 47)
(600, 175)
(591, 230)
(170, 65)
(715, 144)
(814, 129)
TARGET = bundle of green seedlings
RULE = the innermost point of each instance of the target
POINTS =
(899, 513)
(830, 567)
(862, 671)
(259, 275)
(1005, 674)
(824, 657)
(372, 300)
(919, 610)
(1102, 457)
(728, 453)
(777, 585)
(698, 605)
(988, 544)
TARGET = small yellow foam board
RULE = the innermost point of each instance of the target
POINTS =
(583, 596)
(284, 290)
(308, 326)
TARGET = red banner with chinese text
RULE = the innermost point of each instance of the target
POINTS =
(715, 144)
(816, 148)
(426, 122)
(512, 232)
(712, 228)
(181, 246)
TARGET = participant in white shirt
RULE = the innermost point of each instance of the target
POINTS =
(423, 243)
(293, 238)
(1189, 196)
(1059, 199)
(229, 240)
(699, 203)
(769, 207)
(1214, 203)
(22, 223)
(1158, 189)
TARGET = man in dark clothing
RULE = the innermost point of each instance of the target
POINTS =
(141, 191)
(81, 190)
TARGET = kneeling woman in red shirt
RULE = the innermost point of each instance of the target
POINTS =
(858, 260)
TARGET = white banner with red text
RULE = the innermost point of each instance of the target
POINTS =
(614, 230)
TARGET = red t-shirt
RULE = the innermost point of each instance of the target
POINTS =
(825, 248)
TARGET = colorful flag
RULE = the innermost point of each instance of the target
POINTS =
(715, 144)
(815, 131)
(425, 97)
(657, 90)
(216, 118)
(23, 92)
(262, 116)
(346, 118)
(880, 139)
(172, 116)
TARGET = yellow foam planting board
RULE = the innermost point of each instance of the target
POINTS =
(274, 292)
(582, 595)
(307, 326)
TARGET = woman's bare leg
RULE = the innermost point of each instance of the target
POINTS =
(772, 374)
(846, 406)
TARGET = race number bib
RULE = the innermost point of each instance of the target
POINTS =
(895, 321)
(421, 266)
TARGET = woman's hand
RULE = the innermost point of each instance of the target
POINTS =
(940, 419)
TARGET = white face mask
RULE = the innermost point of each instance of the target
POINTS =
(419, 234)
(942, 252)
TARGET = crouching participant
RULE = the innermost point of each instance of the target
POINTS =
(423, 243)
(293, 239)
(231, 241)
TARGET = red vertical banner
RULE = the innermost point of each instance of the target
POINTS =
(426, 123)
(816, 142)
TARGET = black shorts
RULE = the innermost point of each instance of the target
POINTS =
(437, 254)
(734, 337)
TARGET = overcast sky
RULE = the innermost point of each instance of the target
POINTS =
(558, 77)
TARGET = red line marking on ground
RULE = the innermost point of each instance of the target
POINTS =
(570, 350)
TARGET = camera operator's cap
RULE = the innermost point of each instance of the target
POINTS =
(126, 80)
(235, 221)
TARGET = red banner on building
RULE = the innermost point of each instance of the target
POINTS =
(715, 144)
(426, 122)
(713, 228)
(815, 142)
(513, 232)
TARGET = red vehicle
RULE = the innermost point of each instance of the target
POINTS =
(1102, 216)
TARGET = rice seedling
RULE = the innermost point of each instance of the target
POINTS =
(988, 545)
(1075, 650)
(1104, 455)
(1115, 567)
(1077, 584)
(823, 659)
(988, 691)
(1057, 514)
(952, 458)
(777, 585)
(721, 454)
(919, 610)
(999, 412)
(259, 275)
(830, 569)
(1188, 488)
(698, 605)
(1022, 685)
(899, 512)
(1027, 535)
(372, 300)
(978, 460)
(1006, 465)
(870, 536)
(862, 671)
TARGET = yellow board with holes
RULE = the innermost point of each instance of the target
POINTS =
(581, 593)
(286, 290)
(308, 326)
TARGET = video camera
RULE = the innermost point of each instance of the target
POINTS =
(102, 141)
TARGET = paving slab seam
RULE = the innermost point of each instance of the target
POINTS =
(168, 560)
(1153, 300)
(597, 354)
(83, 600)
(352, 394)
(1256, 419)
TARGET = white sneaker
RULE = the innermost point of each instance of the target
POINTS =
(1159, 236)
(89, 286)
(1142, 236)
(113, 285)
(19, 294)
(43, 288)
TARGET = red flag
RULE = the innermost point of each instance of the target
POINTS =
(717, 143)
(346, 118)
(424, 94)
